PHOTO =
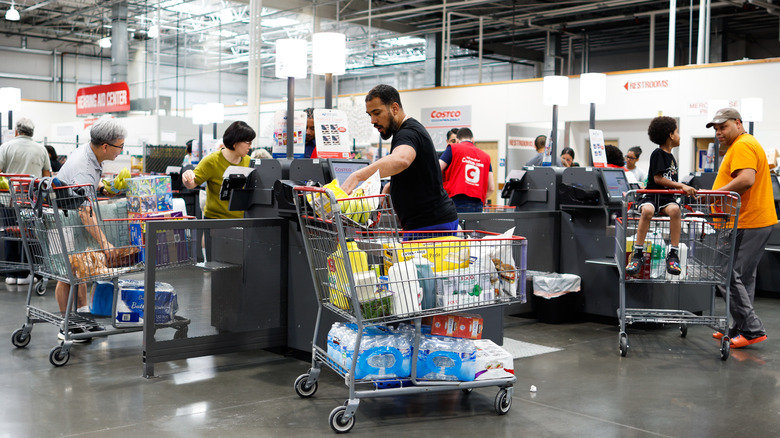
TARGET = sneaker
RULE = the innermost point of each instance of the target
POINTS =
(673, 263)
(719, 335)
(24, 280)
(740, 341)
(10, 280)
(635, 265)
(73, 331)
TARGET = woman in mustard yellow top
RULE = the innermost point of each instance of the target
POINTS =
(238, 141)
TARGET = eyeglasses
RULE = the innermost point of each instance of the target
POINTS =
(122, 146)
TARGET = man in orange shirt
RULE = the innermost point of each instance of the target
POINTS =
(745, 171)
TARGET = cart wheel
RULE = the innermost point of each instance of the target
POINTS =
(683, 330)
(725, 348)
(302, 389)
(40, 288)
(467, 391)
(19, 339)
(623, 344)
(336, 420)
(503, 402)
(181, 333)
(56, 357)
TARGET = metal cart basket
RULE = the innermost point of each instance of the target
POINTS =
(443, 273)
(68, 239)
(12, 238)
(707, 241)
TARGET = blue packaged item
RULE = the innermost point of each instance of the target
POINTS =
(102, 298)
(443, 358)
(383, 354)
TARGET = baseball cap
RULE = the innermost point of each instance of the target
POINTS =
(724, 114)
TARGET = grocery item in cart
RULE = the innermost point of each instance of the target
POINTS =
(405, 288)
(504, 261)
(463, 287)
(338, 280)
(442, 358)
(383, 354)
(444, 253)
(492, 362)
(130, 303)
(457, 325)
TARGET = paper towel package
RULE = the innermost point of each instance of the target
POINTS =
(493, 362)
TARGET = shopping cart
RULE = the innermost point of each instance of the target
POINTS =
(707, 241)
(68, 240)
(452, 272)
(11, 238)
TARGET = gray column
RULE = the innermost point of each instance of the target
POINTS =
(253, 77)
(552, 55)
(119, 44)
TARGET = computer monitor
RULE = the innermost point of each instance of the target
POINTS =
(615, 183)
(341, 169)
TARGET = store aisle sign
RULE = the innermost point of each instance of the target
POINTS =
(331, 129)
(439, 120)
(110, 98)
(597, 150)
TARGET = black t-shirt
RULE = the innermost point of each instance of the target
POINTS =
(664, 163)
(417, 192)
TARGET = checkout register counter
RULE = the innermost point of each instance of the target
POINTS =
(587, 201)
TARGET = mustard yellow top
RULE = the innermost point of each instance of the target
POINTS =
(210, 170)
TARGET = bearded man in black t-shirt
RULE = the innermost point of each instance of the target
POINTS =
(416, 182)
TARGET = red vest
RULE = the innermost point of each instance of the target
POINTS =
(468, 172)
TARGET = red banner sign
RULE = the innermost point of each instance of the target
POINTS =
(108, 98)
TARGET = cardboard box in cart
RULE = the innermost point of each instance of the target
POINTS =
(458, 325)
(171, 244)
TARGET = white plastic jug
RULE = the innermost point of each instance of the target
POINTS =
(407, 293)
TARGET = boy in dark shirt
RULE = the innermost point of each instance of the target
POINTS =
(662, 175)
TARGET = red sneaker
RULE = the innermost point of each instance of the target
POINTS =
(717, 335)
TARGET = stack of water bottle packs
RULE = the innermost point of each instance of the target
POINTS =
(386, 353)
(404, 278)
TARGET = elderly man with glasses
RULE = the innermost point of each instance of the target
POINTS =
(85, 166)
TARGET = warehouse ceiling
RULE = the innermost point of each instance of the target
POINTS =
(382, 35)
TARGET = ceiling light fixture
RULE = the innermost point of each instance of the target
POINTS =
(105, 43)
(12, 14)
(154, 31)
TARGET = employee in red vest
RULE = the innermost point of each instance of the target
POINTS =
(467, 173)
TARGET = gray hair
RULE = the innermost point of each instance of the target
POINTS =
(25, 126)
(107, 130)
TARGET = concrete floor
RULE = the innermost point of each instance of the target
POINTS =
(667, 386)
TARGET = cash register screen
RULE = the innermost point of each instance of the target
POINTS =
(615, 183)
(341, 169)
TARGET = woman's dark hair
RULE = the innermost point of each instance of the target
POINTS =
(386, 93)
(660, 128)
(568, 151)
(52, 152)
(238, 131)
(453, 131)
(614, 156)
(189, 146)
(636, 150)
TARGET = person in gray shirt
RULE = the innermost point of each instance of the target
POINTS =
(85, 166)
(20, 156)
(538, 159)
